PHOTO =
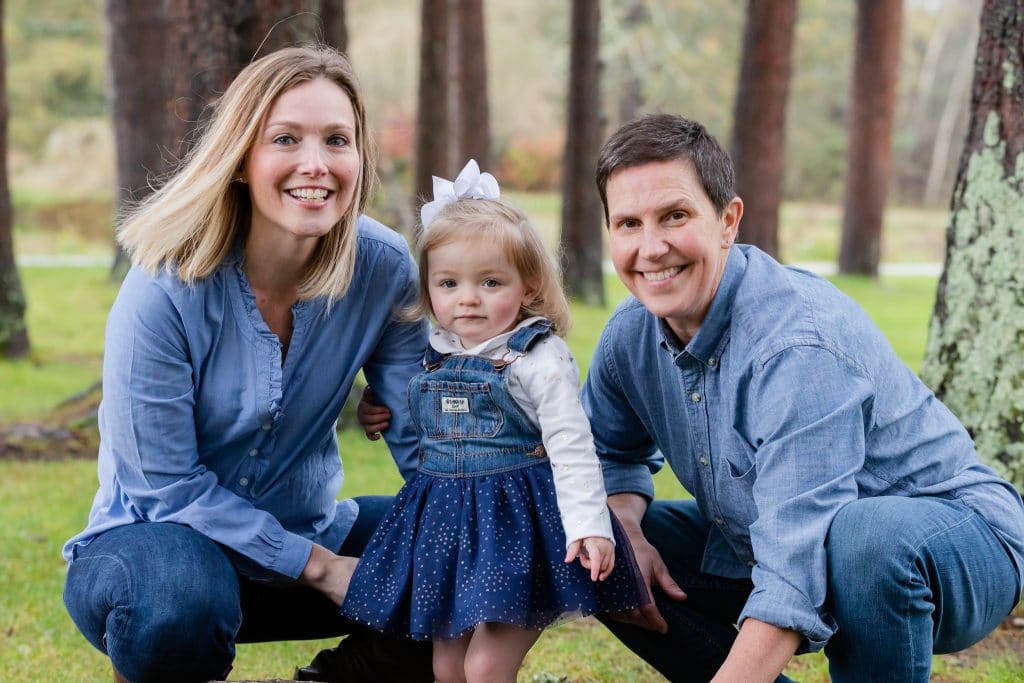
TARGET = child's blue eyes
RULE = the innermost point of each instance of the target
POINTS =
(449, 284)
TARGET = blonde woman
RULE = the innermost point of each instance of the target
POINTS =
(257, 293)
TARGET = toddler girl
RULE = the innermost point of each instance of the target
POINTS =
(478, 550)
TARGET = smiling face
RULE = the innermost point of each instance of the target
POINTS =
(668, 243)
(303, 168)
(474, 292)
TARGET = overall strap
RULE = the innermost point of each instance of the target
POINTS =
(523, 339)
(432, 359)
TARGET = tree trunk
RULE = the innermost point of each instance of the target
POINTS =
(210, 41)
(432, 131)
(473, 135)
(976, 339)
(13, 332)
(631, 91)
(582, 252)
(332, 14)
(759, 123)
(137, 96)
(869, 155)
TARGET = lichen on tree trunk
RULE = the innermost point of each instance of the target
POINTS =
(975, 355)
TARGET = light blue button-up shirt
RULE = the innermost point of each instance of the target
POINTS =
(201, 425)
(786, 405)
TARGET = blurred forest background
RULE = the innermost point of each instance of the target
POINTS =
(863, 132)
(680, 56)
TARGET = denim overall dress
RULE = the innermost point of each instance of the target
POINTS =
(475, 535)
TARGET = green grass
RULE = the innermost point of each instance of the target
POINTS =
(67, 310)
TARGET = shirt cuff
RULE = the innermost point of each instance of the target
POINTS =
(293, 556)
(599, 526)
(777, 603)
(622, 477)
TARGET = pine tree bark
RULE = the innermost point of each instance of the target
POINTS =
(631, 91)
(13, 331)
(759, 121)
(210, 41)
(332, 15)
(432, 121)
(975, 356)
(869, 153)
(473, 136)
(581, 241)
(138, 92)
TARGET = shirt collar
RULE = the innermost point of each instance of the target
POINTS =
(712, 335)
(445, 341)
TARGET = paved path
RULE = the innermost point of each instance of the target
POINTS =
(63, 261)
(820, 267)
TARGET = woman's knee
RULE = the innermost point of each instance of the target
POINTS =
(157, 599)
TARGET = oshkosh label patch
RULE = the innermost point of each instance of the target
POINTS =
(453, 404)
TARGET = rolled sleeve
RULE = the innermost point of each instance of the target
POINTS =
(776, 602)
(812, 446)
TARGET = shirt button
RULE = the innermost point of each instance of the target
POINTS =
(253, 453)
(243, 481)
(752, 564)
(695, 397)
(712, 362)
(719, 520)
(703, 460)
(265, 426)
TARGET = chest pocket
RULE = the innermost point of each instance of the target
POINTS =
(454, 410)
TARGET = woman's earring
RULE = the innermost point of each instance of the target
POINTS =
(240, 179)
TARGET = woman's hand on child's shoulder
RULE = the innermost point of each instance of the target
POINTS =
(373, 417)
(596, 554)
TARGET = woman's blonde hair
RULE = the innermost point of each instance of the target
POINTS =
(497, 225)
(193, 220)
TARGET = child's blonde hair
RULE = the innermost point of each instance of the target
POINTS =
(494, 224)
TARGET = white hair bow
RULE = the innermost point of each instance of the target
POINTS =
(469, 184)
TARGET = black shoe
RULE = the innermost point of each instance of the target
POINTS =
(372, 657)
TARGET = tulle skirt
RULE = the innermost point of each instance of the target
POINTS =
(452, 553)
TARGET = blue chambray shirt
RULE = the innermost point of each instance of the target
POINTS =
(200, 425)
(786, 405)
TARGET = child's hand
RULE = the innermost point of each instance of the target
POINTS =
(372, 417)
(596, 554)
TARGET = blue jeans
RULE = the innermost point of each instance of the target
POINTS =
(165, 603)
(907, 577)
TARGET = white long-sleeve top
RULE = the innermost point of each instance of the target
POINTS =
(545, 384)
